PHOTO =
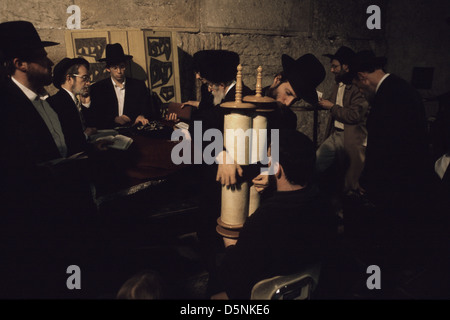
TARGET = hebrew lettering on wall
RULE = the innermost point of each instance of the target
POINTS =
(92, 49)
(161, 67)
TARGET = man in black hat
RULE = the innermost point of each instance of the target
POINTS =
(346, 132)
(217, 69)
(397, 167)
(298, 80)
(29, 70)
(40, 224)
(118, 100)
(72, 78)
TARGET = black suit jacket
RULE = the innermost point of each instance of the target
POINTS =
(25, 133)
(70, 120)
(397, 155)
(41, 215)
(104, 104)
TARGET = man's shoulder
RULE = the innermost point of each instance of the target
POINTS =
(13, 96)
(135, 82)
(395, 82)
(398, 88)
(101, 83)
(59, 96)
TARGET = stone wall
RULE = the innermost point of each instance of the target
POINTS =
(261, 31)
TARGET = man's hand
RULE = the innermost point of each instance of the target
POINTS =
(102, 145)
(142, 120)
(90, 131)
(227, 174)
(122, 120)
(326, 104)
(261, 182)
(172, 117)
(229, 242)
(85, 100)
(360, 190)
(190, 103)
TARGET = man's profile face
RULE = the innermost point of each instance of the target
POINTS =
(81, 81)
(282, 92)
(338, 69)
(118, 72)
(39, 70)
(218, 92)
(364, 85)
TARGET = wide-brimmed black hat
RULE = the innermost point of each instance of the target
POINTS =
(115, 55)
(217, 66)
(199, 60)
(365, 61)
(304, 75)
(60, 69)
(20, 38)
(344, 55)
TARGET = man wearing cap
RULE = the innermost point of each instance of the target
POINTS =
(118, 100)
(346, 132)
(72, 78)
(397, 167)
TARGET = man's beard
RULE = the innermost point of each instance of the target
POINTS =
(84, 91)
(218, 96)
(342, 77)
(39, 79)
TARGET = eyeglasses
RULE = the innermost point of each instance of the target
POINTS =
(85, 78)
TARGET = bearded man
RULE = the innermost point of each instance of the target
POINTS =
(346, 131)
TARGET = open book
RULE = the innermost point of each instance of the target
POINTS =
(103, 133)
(119, 141)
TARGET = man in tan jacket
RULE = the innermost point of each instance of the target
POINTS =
(346, 133)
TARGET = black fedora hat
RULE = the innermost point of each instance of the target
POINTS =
(304, 75)
(115, 55)
(217, 66)
(60, 69)
(199, 60)
(344, 55)
(20, 38)
(365, 61)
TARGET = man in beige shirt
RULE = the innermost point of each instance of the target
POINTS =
(346, 132)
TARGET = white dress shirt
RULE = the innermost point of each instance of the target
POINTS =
(230, 86)
(441, 165)
(47, 114)
(381, 81)
(120, 93)
(340, 103)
